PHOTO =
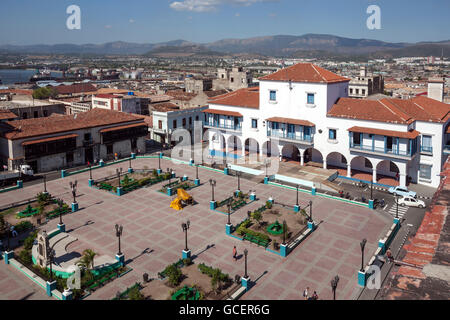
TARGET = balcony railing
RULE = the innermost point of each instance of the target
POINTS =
(294, 136)
(393, 151)
(236, 127)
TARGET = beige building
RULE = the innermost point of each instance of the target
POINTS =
(62, 141)
(365, 85)
(233, 79)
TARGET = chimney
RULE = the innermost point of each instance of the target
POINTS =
(436, 88)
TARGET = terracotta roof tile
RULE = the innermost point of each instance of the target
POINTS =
(246, 98)
(5, 115)
(165, 107)
(133, 125)
(390, 133)
(67, 136)
(20, 129)
(223, 112)
(75, 88)
(291, 121)
(391, 110)
(305, 72)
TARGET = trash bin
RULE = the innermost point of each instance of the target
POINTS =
(145, 277)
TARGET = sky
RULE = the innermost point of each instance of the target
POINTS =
(152, 21)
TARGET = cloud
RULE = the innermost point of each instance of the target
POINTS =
(210, 5)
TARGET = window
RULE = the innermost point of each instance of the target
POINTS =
(310, 99)
(427, 144)
(357, 91)
(425, 171)
(274, 125)
(332, 134)
(190, 121)
(159, 124)
(351, 91)
(175, 123)
(273, 95)
(232, 80)
(133, 144)
(363, 91)
(184, 122)
(196, 118)
(87, 136)
(36, 114)
(254, 124)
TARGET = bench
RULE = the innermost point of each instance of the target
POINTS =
(256, 240)
(237, 294)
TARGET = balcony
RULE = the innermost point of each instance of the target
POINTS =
(384, 151)
(236, 127)
(291, 136)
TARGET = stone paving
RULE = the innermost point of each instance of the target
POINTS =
(153, 237)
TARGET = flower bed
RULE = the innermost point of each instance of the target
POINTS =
(237, 202)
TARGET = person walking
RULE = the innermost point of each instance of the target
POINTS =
(305, 293)
(315, 296)
(234, 253)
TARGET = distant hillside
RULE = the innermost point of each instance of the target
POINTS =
(278, 46)
(182, 51)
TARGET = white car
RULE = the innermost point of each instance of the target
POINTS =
(411, 202)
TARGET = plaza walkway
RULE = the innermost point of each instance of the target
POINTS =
(153, 237)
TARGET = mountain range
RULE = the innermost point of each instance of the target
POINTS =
(277, 46)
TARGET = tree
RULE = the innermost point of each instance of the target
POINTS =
(135, 294)
(257, 216)
(87, 260)
(44, 93)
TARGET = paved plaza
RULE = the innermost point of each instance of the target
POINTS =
(153, 237)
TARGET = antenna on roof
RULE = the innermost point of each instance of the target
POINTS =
(287, 76)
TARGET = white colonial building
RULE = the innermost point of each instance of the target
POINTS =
(307, 108)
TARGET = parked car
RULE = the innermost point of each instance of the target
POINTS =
(402, 191)
(411, 202)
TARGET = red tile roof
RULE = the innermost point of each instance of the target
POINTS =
(134, 125)
(106, 96)
(75, 88)
(391, 110)
(5, 115)
(51, 125)
(223, 112)
(246, 98)
(165, 107)
(390, 133)
(67, 136)
(292, 121)
(305, 72)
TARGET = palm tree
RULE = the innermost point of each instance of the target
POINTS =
(87, 261)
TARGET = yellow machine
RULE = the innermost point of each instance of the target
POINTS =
(182, 198)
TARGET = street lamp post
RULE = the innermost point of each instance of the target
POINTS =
(362, 244)
(371, 190)
(8, 231)
(229, 213)
(334, 283)
(45, 184)
(238, 174)
(296, 202)
(310, 210)
(245, 255)
(119, 172)
(73, 187)
(119, 231)
(284, 231)
(90, 171)
(196, 171)
(212, 182)
(185, 227)
(61, 225)
(50, 256)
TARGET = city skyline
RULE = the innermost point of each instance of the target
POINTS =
(203, 21)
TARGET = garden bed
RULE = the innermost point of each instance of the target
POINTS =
(140, 178)
(237, 202)
(185, 280)
(264, 226)
(177, 184)
(41, 207)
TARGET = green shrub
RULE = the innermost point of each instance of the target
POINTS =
(268, 205)
(174, 274)
(187, 261)
(25, 256)
(135, 294)
(28, 242)
(23, 226)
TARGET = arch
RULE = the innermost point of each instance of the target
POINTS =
(336, 160)
(251, 149)
(387, 172)
(313, 155)
(234, 147)
(290, 152)
(270, 149)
